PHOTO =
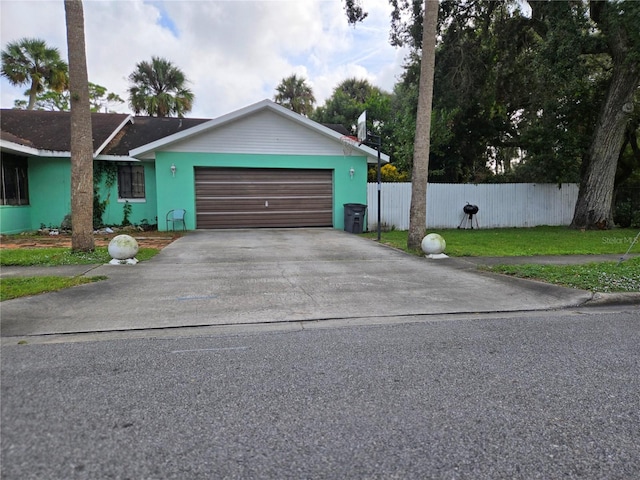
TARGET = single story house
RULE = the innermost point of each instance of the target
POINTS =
(260, 166)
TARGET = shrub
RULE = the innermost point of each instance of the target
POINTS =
(388, 173)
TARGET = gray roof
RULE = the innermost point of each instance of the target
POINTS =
(143, 130)
(51, 131)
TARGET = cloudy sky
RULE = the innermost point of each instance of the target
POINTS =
(234, 52)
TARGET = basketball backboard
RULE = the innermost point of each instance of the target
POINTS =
(362, 127)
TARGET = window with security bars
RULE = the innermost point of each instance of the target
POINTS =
(15, 181)
(130, 181)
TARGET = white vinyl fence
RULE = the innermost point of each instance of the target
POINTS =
(500, 205)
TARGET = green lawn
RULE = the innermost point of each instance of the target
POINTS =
(603, 277)
(15, 287)
(61, 256)
(528, 242)
(519, 242)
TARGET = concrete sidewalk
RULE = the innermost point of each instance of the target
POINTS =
(262, 276)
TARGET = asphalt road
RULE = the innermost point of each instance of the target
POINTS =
(538, 395)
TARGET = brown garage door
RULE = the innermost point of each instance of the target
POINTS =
(257, 197)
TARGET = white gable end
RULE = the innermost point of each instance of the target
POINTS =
(264, 132)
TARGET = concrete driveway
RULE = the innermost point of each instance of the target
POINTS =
(259, 276)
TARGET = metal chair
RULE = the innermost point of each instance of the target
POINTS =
(176, 216)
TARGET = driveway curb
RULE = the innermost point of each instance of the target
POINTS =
(621, 298)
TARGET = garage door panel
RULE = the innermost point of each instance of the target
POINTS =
(264, 206)
(239, 220)
(270, 218)
(233, 191)
(244, 198)
(215, 174)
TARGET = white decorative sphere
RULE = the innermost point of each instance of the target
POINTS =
(122, 247)
(433, 244)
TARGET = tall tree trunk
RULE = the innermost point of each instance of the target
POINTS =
(422, 142)
(33, 92)
(594, 205)
(81, 133)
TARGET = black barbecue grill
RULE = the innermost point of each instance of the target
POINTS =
(469, 212)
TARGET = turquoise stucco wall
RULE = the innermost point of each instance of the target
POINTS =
(140, 208)
(50, 187)
(179, 191)
(15, 219)
(50, 198)
(49, 191)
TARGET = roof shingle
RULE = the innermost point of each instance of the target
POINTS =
(51, 131)
(144, 130)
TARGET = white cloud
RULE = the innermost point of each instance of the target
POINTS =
(234, 52)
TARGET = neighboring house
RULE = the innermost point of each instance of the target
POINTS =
(260, 166)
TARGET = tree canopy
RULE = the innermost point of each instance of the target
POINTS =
(349, 99)
(100, 99)
(29, 61)
(540, 91)
(295, 94)
(159, 89)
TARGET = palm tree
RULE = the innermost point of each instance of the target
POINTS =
(159, 89)
(359, 90)
(422, 142)
(30, 61)
(81, 132)
(295, 94)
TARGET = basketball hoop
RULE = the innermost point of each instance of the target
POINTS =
(362, 127)
(348, 144)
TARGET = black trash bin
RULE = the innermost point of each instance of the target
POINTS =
(354, 217)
